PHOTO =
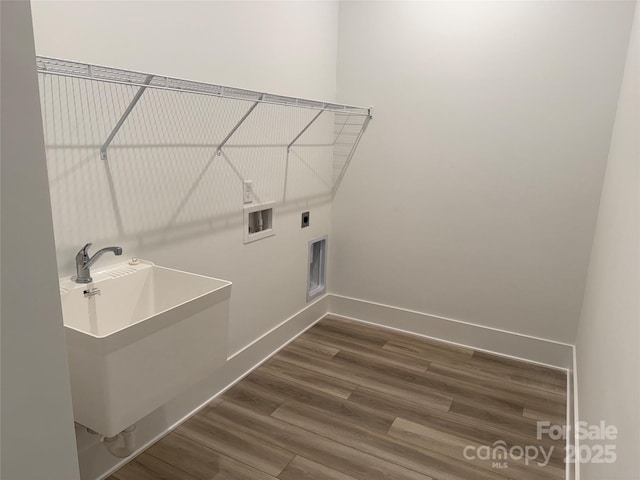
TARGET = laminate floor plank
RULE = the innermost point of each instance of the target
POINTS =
(521, 365)
(520, 369)
(312, 348)
(403, 380)
(510, 375)
(376, 354)
(317, 448)
(245, 448)
(387, 334)
(345, 410)
(255, 397)
(427, 354)
(369, 378)
(354, 401)
(148, 467)
(540, 410)
(383, 446)
(202, 462)
(471, 375)
(500, 372)
(359, 337)
(305, 378)
(303, 468)
(480, 395)
(525, 427)
(545, 414)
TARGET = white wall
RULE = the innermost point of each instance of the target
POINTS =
(282, 47)
(37, 423)
(179, 205)
(474, 193)
(277, 47)
(609, 330)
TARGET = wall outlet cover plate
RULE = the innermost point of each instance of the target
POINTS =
(247, 191)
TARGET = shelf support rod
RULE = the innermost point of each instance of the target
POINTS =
(233, 130)
(132, 104)
(304, 130)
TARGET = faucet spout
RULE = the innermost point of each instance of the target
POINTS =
(84, 262)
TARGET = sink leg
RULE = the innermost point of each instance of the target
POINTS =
(128, 439)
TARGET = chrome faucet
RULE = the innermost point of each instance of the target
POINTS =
(84, 262)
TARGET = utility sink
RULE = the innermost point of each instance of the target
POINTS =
(139, 335)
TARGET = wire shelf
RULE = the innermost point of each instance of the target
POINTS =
(55, 66)
(176, 152)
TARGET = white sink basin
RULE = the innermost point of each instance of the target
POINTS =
(150, 333)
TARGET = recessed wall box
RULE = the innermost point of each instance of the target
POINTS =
(316, 277)
(258, 222)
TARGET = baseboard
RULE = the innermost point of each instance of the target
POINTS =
(572, 439)
(501, 342)
(569, 440)
(97, 464)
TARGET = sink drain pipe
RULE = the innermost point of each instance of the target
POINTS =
(123, 444)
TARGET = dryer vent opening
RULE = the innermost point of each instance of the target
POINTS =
(316, 278)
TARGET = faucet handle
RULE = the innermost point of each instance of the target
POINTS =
(83, 254)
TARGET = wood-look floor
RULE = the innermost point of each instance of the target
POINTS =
(349, 401)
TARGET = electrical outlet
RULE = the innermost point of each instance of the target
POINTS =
(305, 220)
(247, 191)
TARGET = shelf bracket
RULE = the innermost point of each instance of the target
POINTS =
(240, 122)
(353, 150)
(304, 130)
(132, 104)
